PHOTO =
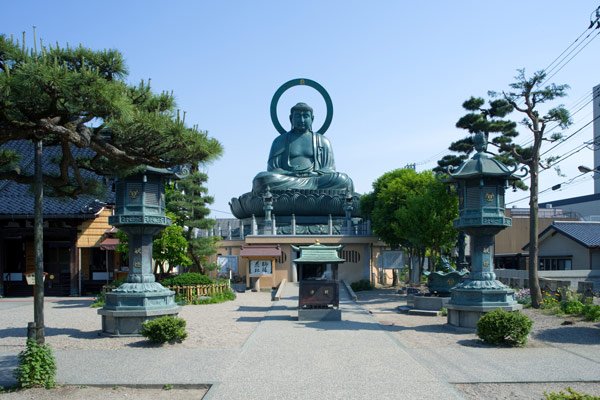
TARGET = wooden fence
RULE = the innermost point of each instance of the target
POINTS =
(191, 291)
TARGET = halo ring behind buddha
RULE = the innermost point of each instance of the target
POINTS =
(300, 82)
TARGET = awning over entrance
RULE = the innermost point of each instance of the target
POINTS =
(258, 250)
(109, 244)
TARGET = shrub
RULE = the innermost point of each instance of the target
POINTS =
(188, 278)
(217, 298)
(591, 312)
(549, 302)
(574, 307)
(523, 296)
(99, 301)
(37, 367)
(569, 395)
(504, 327)
(363, 284)
(164, 329)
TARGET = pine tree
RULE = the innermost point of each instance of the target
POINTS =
(78, 98)
(188, 200)
(525, 96)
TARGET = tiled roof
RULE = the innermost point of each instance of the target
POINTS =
(16, 200)
(585, 232)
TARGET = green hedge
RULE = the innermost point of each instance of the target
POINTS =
(188, 278)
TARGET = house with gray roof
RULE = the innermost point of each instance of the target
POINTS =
(74, 232)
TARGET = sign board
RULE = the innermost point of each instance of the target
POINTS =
(391, 259)
(260, 267)
(30, 278)
(227, 264)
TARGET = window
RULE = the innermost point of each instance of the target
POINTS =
(555, 263)
(352, 256)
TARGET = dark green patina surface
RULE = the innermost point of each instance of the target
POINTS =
(301, 173)
(481, 183)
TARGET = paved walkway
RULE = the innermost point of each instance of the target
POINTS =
(352, 359)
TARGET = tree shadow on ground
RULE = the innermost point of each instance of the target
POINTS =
(49, 332)
(268, 318)
(72, 304)
(587, 335)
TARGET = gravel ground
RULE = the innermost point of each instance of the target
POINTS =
(106, 393)
(429, 332)
(71, 324)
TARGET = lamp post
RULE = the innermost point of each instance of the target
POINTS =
(139, 212)
(481, 183)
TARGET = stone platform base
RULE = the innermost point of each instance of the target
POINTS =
(430, 303)
(467, 316)
(129, 323)
(319, 314)
(129, 306)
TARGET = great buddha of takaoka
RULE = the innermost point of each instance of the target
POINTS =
(301, 159)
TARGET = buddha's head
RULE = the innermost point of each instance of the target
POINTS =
(301, 117)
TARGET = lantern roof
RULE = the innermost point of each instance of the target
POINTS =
(318, 253)
(482, 165)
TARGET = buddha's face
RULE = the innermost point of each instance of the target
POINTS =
(301, 120)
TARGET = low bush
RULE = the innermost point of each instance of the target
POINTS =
(550, 303)
(363, 284)
(591, 312)
(99, 301)
(37, 367)
(523, 296)
(570, 394)
(504, 327)
(217, 298)
(188, 278)
(572, 307)
(164, 329)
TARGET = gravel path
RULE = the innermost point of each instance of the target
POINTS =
(72, 324)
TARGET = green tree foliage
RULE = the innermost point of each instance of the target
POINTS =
(528, 96)
(188, 201)
(414, 211)
(169, 248)
(78, 98)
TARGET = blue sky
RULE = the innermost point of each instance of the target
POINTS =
(397, 71)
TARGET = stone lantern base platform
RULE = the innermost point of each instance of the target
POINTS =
(319, 314)
(468, 305)
(124, 313)
(467, 316)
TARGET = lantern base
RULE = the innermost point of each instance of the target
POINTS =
(468, 316)
(472, 298)
(124, 313)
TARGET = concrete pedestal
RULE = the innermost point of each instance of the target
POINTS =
(430, 303)
(125, 312)
(468, 316)
(319, 314)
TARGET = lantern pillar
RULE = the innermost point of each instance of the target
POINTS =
(139, 212)
(481, 182)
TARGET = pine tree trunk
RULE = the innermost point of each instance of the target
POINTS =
(534, 283)
(38, 239)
